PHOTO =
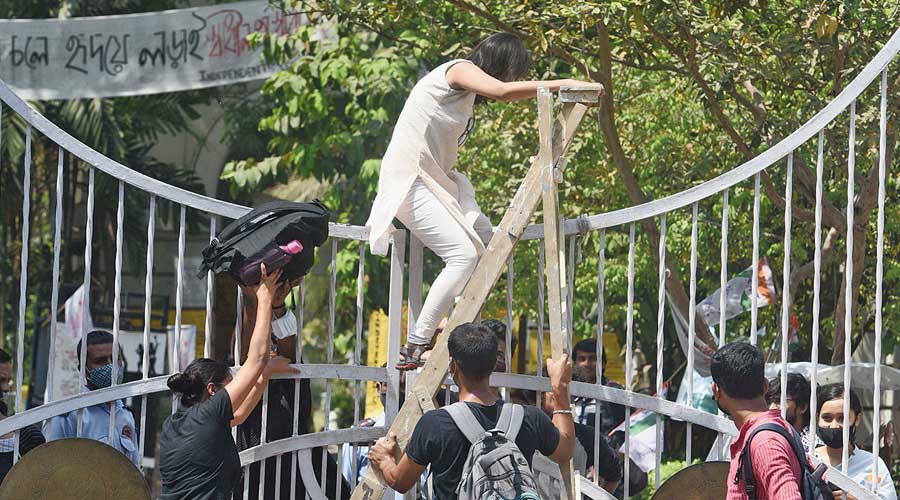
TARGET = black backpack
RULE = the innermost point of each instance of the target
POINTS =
(272, 224)
(812, 486)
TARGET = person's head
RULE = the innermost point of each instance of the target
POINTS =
(499, 329)
(522, 397)
(199, 381)
(5, 371)
(503, 56)
(796, 411)
(473, 353)
(382, 387)
(831, 415)
(99, 359)
(584, 357)
(738, 373)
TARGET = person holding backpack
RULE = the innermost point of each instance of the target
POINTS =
(481, 446)
(767, 459)
(197, 454)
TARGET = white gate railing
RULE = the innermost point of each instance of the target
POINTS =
(299, 446)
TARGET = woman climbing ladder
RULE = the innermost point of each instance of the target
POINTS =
(418, 184)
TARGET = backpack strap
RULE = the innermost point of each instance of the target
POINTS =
(505, 417)
(746, 465)
(466, 422)
(517, 415)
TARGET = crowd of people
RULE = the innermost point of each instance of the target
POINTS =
(773, 465)
(478, 436)
(198, 453)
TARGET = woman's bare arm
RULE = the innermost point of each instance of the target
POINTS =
(275, 364)
(464, 76)
(258, 350)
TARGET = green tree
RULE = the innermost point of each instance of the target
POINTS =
(693, 89)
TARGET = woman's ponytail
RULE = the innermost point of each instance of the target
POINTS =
(191, 384)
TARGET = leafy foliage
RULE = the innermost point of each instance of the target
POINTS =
(697, 88)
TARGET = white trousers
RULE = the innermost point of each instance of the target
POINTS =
(428, 220)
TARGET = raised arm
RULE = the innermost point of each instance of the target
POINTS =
(464, 76)
(560, 372)
(286, 346)
(258, 349)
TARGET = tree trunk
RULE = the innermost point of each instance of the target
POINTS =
(674, 285)
(859, 262)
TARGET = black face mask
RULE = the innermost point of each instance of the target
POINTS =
(833, 437)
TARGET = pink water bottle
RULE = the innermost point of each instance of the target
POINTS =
(274, 257)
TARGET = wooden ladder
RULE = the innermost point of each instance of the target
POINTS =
(540, 183)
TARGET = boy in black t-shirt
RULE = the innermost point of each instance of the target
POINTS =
(436, 440)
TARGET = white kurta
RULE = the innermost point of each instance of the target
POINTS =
(425, 145)
(859, 468)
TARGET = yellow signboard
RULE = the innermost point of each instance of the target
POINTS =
(376, 356)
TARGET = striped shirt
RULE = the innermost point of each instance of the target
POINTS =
(775, 467)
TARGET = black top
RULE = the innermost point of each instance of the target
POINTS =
(611, 414)
(437, 441)
(610, 467)
(198, 457)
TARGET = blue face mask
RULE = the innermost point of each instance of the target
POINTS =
(101, 376)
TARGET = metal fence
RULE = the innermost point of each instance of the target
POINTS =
(298, 447)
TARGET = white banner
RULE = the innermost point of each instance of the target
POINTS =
(144, 53)
(187, 347)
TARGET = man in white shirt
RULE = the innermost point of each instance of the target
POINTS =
(95, 419)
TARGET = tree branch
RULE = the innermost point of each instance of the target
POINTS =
(804, 272)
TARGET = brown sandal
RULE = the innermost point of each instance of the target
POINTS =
(411, 359)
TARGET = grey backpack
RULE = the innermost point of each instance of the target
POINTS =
(495, 468)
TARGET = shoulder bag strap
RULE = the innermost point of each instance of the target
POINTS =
(466, 422)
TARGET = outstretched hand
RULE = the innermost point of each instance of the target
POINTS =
(592, 85)
(284, 289)
(268, 284)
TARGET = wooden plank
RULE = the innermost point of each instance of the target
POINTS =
(554, 265)
(486, 273)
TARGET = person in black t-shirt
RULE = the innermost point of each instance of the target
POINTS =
(198, 456)
(436, 441)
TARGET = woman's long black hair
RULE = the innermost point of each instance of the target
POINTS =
(503, 56)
